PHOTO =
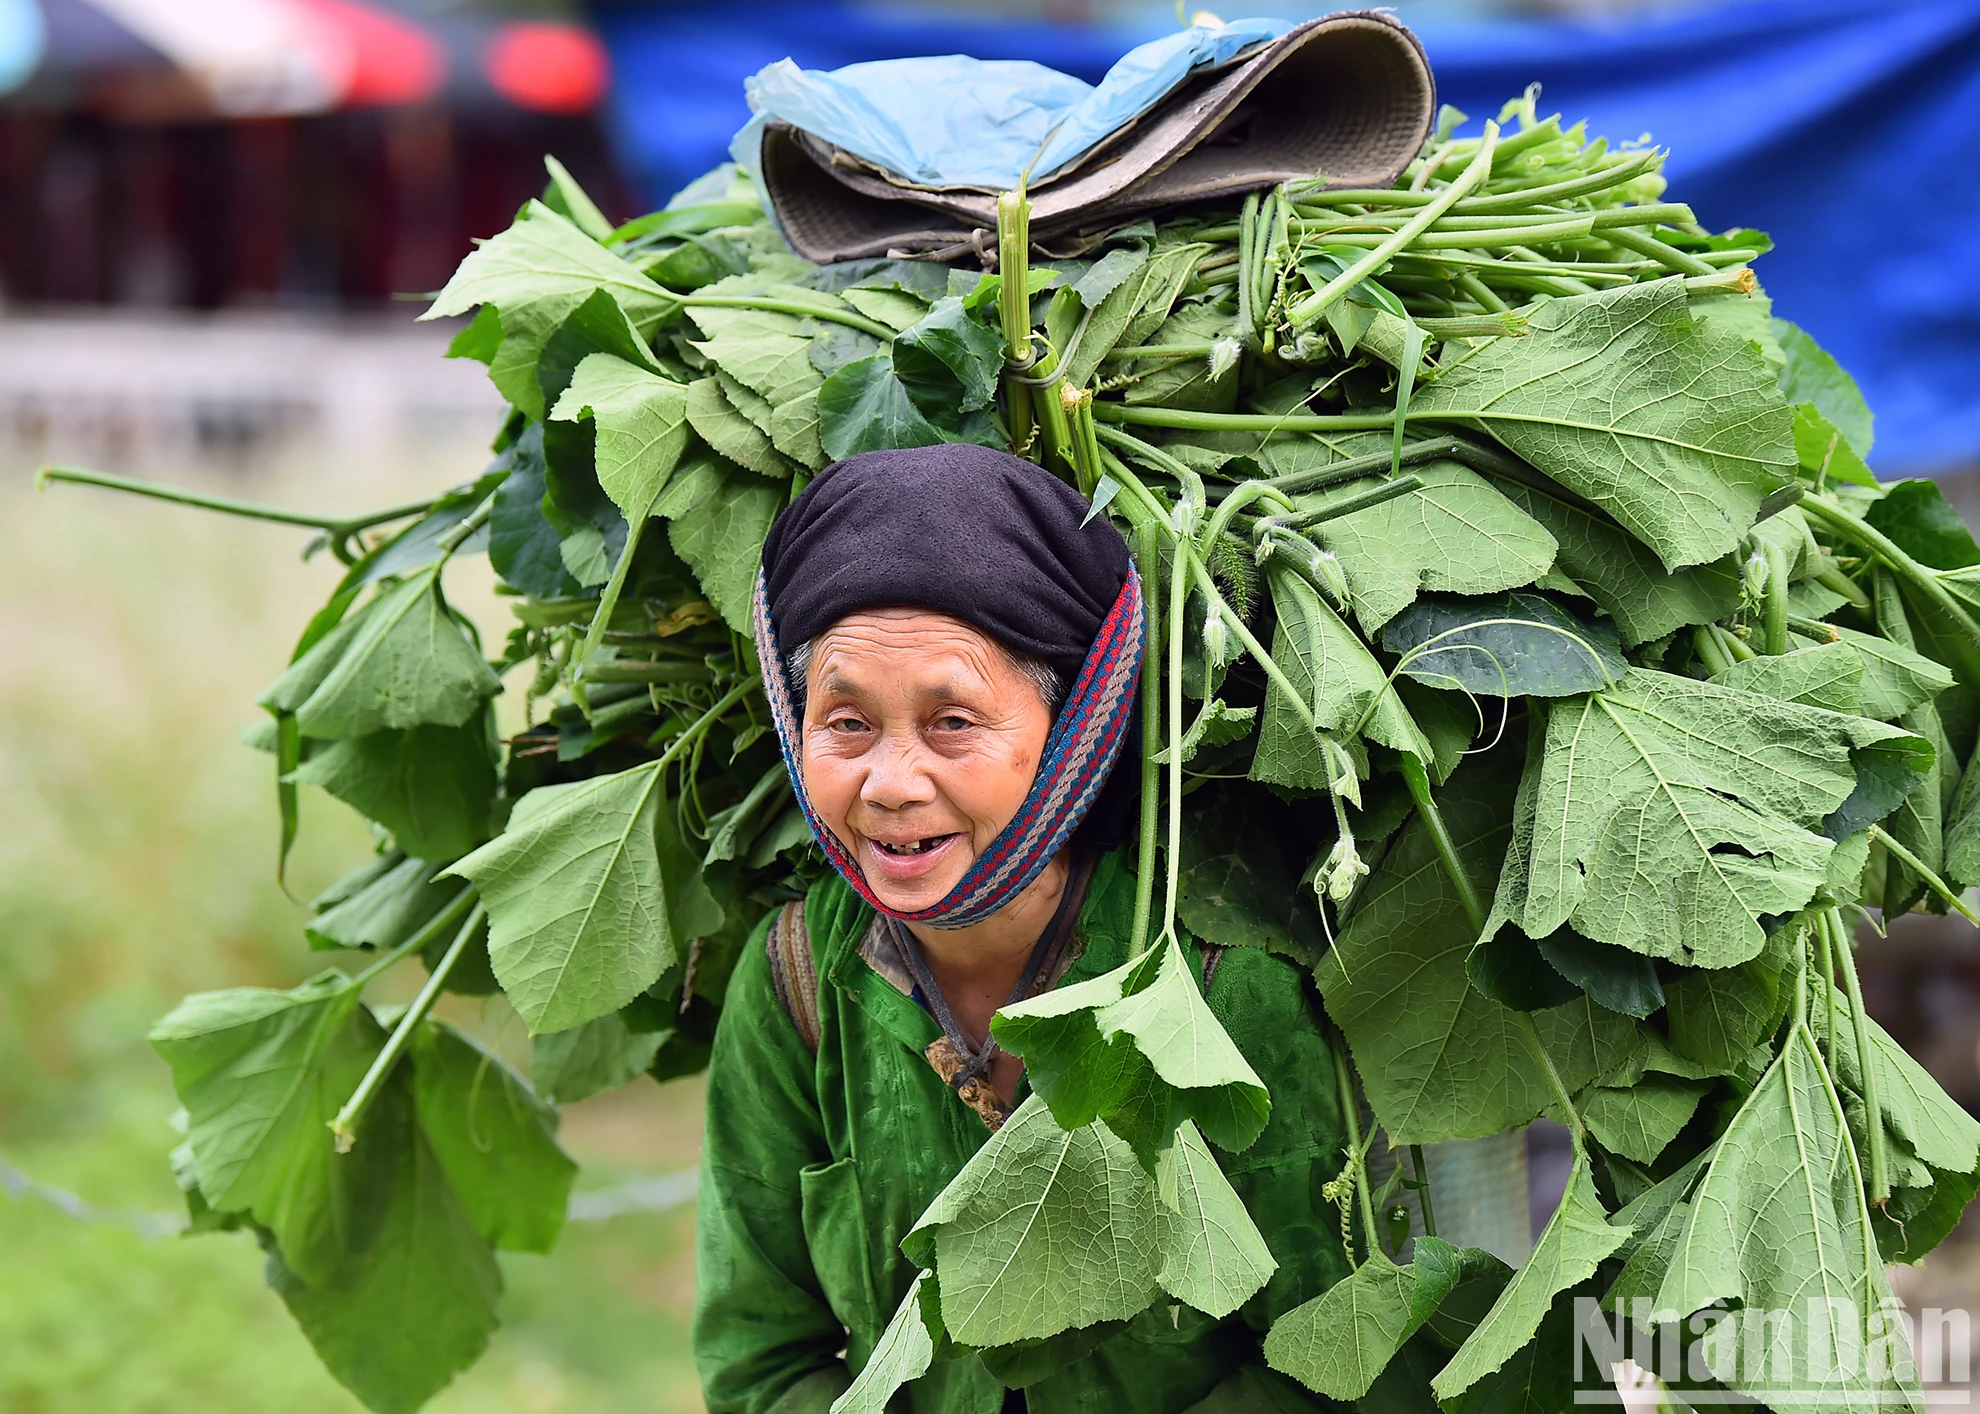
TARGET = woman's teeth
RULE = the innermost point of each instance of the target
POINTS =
(913, 847)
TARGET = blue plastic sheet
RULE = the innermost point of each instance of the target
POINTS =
(1843, 129)
(995, 118)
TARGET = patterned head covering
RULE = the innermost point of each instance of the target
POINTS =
(1004, 546)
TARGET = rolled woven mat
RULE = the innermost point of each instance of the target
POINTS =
(1349, 97)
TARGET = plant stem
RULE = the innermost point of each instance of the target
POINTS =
(1669, 257)
(1776, 604)
(1314, 305)
(1178, 603)
(439, 923)
(344, 1126)
(1423, 1189)
(1924, 871)
(1142, 415)
(1244, 495)
(1351, 1117)
(788, 306)
(226, 505)
(1896, 560)
(1706, 643)
(1360, 501)
(1866, 1065)
(1147, 551)
(1829, 942)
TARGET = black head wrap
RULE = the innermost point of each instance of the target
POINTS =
(980, 535)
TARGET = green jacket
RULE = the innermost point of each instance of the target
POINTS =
(815, 1167)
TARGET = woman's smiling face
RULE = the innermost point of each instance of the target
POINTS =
(921, 740)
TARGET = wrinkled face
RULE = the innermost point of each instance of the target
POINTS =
(921, 739)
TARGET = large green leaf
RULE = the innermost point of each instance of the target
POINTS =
(381, 904)
(902, 1355)
(581, 916)
(535, 274)
(1340, 681)
(1827, 675)
(1920, 521)
(642, 427)
(431, 786)
(1454, 535)
(1640, 1121)
(1896, 678)
(950, 349)
(1623, 575)
(1916, 1107)
(1718, 1017)
(1237, 891)
(1779, 1221)
(1044, 1230)
(1341, 1341)
(1139, 1048)
(414, 1305)
(1132, 310)
(1437, 1058)
(1677, 430)
(588, 1060)
(1575, 1241)
(494, 1139)
(725, 427)
(523, 546)
(400, 662)
(261, 1073)
(1673, 815)
(717, 522)
(1812, 376)
(866, 407)
(1213, 1258)
(1509, 645)
(768, 352)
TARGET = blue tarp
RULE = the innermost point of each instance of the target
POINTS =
(1841, 128)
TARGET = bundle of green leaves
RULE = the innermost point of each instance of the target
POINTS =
(1534, 658)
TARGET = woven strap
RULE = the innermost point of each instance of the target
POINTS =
(793, 973)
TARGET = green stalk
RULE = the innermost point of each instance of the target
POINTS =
(1147, 553)
(1706, 644)
(1828, 939)
(336, 529)
(1178, 602)
(1669, 257)
(1908, 570)
(1924, 871)
(1360, 501)
(1351, 1117)
(1014, 312)
(1304, 313)
(1776, 603)
(344, 1126)
(1734, 647)
(1244, 495)
(1423, 1190)
(1830, 576)
(1247, 236)
(439, 923)
(1873, 1113)
(788, 306)
(1482, 238)
(1141, 415)
(1418, 781)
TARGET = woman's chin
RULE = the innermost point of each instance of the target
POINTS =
(908, 883)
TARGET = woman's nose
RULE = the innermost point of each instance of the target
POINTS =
(897, 775)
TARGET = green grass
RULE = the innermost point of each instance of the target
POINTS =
(136, 866)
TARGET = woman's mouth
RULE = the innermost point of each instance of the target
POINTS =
(915, 858)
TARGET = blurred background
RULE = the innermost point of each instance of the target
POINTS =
(216, 220)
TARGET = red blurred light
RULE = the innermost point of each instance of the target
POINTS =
(549, 68)
(391, 60)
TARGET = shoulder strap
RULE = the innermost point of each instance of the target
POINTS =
(793, 973)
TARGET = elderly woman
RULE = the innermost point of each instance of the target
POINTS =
(951, 644)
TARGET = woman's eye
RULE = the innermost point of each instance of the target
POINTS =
(952, 723)
(846, 725)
